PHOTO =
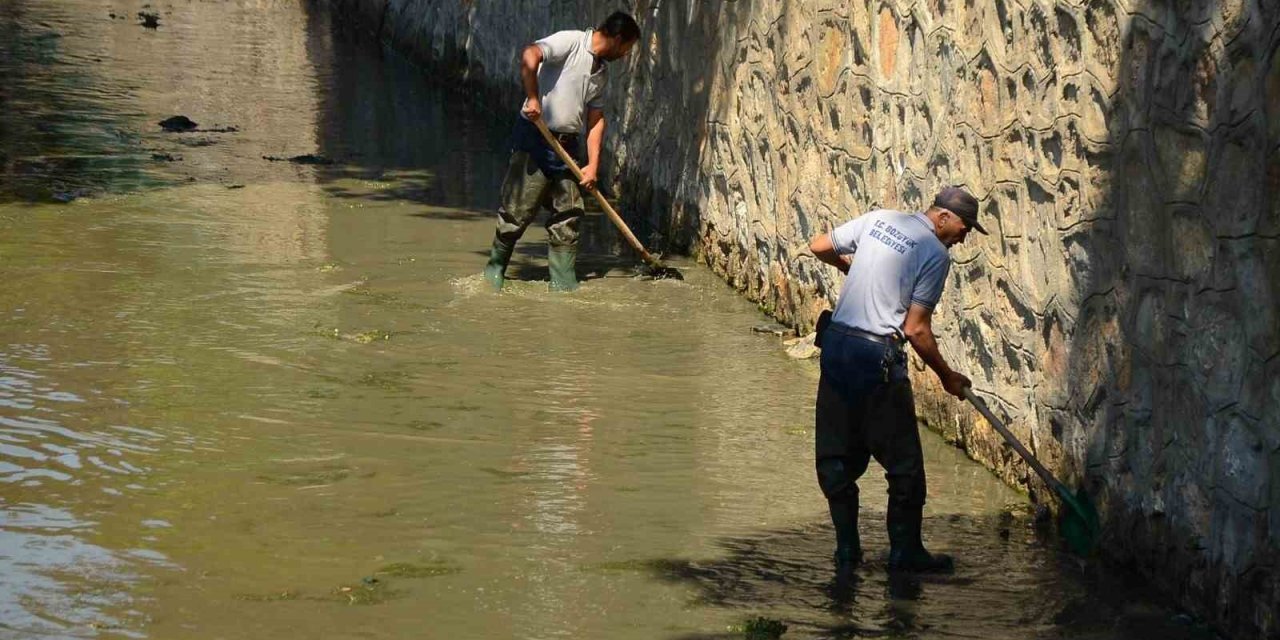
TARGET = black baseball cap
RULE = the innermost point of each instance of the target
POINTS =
(959, 202)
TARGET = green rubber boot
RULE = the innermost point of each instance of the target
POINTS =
(562, 263)
(495, 270)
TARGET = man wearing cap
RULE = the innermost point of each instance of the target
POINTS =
(896, 265)
(564, 78)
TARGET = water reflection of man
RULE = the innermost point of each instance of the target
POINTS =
(564, 79)
(896, 265)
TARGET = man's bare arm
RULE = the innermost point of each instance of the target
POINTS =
(824, 250)
(919, 330)
(529, 62)
(595, 140)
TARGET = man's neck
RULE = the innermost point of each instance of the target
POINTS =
(598, 42)
(931, 215)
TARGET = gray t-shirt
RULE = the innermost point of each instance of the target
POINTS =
(897, 262)
(566, 82)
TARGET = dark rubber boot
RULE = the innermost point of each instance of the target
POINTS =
(844, 516)
(906, 550)
(495, 270)
(562, 263)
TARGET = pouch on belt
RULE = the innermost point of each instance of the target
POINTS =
(824, 320)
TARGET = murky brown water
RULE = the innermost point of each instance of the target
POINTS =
(251, 399)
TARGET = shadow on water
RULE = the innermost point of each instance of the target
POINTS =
(452, 214)
(1012, 581)
(530, 264)
(61, 138)
(69, 129)
(378, 116)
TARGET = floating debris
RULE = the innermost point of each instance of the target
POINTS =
(803, 348)
(370, 591)
(306, 158)
(366, 593)
(165, 157)
(66, 197)
(150, 19)
(771, 328)
(183, 124)
(179, 124)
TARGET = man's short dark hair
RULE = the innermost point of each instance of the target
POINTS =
(620, 24)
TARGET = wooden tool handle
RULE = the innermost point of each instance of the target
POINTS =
(604, 204)
(1040, 470)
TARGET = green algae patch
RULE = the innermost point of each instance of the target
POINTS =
(388, 300)
(390, 380)
(327, 332)
(760, 628)
(324, 475)
(278, 596)
(368, 337)
(369, 592)
(505, 474)
(411, 570)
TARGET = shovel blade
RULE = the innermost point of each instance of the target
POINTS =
(1079, 522)
(653, 269)
(664, 273)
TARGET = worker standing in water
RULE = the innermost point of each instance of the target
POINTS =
(896, 265)
(564, 80)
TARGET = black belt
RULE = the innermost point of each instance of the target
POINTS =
(894, 339)
(565, 138)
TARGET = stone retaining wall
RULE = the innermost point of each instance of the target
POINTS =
(1125, 313)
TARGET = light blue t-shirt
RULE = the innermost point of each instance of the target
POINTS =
(897, 262)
